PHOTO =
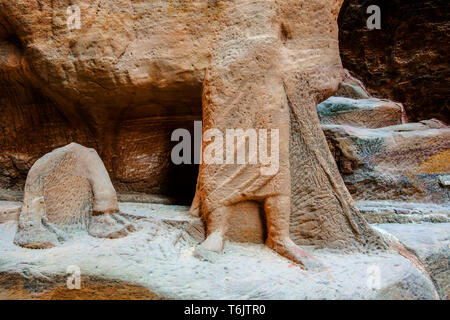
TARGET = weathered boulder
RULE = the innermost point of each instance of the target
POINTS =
(387, 211)
(66, 190)
(365, 113)
(444, 180)
(158, 261)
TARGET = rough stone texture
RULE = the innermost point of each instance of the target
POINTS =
(280, 84)
(249, 64)
(133, 73)
(352, 88)
(132, 138)
(9, 211)
(403, 212)
(405, 61)
(431, 243)
(11, 195)
(16, 286)
(366, 113)
(68, 189)
(247, 228)
(17, 195)
(158, 261)
(444, 180)
(397, 163)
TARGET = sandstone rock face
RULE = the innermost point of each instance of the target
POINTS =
(157, 261)
(397, 172)
(388, 211)
(431, 244)
(130, 67)
(68, 189)
(403, 162)
(9, 211)
(16, 287)
(407, 59)
(366, 113)
(130, 74)
(134, 143)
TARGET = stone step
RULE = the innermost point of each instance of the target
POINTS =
(406, 163)
(403, 212)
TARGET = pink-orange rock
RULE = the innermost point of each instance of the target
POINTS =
(249, 64)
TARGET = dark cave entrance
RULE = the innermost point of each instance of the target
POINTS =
(181, 179)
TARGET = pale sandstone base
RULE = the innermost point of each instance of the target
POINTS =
(157, 262)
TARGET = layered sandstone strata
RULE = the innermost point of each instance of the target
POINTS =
(403, 163)
(407, 59)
